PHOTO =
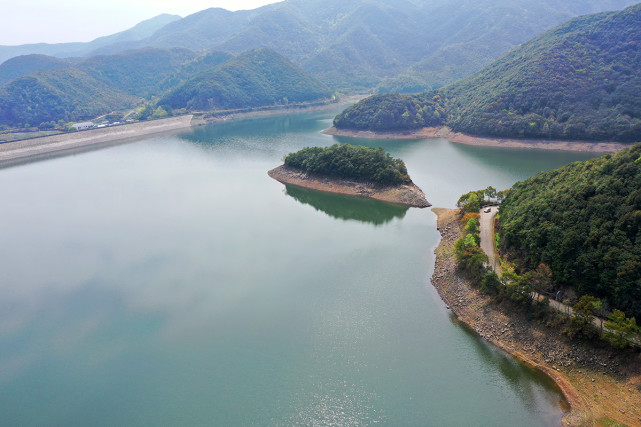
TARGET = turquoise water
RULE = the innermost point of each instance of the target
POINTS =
(172, 282)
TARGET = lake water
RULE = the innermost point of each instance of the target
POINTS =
(172, 282)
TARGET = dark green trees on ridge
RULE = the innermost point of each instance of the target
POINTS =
(584, 222)
(350, 162)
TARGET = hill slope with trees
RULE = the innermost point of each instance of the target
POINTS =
(104, 83)
(256, 78)
(577, 81)
(584, 222)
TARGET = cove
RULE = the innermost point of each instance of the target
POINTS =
(171, 281)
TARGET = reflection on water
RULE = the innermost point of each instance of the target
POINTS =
(526, 381)
(347, 207)
(170, 282)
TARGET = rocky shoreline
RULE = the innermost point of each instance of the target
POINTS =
(461, 138)
(600, 385)
(408, 195)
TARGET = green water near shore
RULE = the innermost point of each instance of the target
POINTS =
(171, 281)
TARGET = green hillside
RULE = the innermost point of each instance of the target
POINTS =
(577, 81)
(27, 64)
(192, 68)
(93, 87)
(105, 83)
(136, 72)
(256, 78)
(584, 222)
(64, 94)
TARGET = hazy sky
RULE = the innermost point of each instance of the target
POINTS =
(55, 21)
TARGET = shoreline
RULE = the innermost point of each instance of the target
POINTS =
(408, 195)
(23, 151)
(27, 150)
(445, 132)
(598, 384)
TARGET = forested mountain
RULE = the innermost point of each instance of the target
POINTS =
(475, 33)
(92, 87)
(255, 78)
(136, 72)
(104, 83)
(584, 222)
(580, 80)
(357, 44)
(63, 94)
(27, 64)
(62, 50)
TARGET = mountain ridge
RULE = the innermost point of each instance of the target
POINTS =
(574, 82)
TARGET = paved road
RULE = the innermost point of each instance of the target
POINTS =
(487, 236)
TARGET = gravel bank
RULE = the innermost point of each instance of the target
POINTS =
(461, 138)
(409, 195)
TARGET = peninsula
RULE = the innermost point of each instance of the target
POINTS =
(351, 170)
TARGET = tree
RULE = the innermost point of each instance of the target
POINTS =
(501, 195)
(620, 329)
(470, 202)
(581, 323)
(541, 280)
(490, 193)
(159, 113)
(473, 226)
(491, 283)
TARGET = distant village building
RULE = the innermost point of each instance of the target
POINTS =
(83, 125)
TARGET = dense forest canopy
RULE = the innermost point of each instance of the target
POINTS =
(255, 78)
(351, 162)
(584, 222)
(388, 112)
(580, 80)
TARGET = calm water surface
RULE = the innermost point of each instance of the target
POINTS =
(172, 282)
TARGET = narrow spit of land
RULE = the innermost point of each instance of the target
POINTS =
(461, 138)
(406, 194)
(600, 385)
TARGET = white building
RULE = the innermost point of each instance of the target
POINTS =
(83, 125)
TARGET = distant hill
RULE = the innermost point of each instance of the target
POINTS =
(400, 45)
(92, 87)
(584, 222)
(63, 94)
(63, 50)
(137, 72)
(105, 83)
(475, 33)
(27, 64)
(255, 78)
(580, 80)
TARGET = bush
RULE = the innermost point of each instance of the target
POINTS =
(491, 284)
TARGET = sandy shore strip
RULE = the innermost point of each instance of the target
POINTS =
(408, 195)
(599, 384)
(461, 138)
